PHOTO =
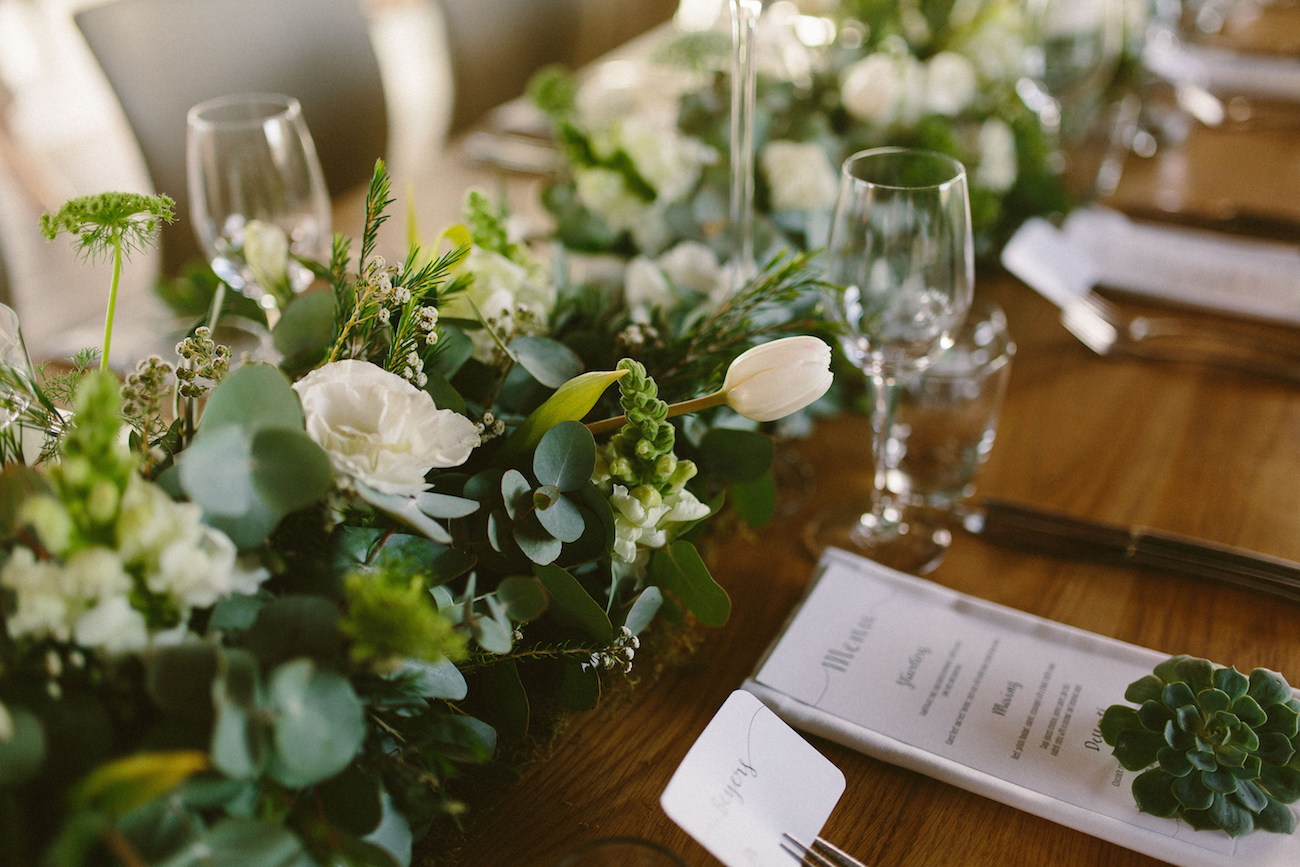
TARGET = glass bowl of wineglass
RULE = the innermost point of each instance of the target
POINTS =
(258, 199)
(900, 277)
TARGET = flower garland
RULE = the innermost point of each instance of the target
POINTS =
(645, 160)
(265, 612)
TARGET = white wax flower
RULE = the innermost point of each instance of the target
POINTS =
(774, 379)
(379, 429)
(266, 251)
(800, 175)
(500, 291)
(997, 167)
(950, 83)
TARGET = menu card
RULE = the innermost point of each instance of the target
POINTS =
(993, 700)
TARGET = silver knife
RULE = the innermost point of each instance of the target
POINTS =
(1028, 527)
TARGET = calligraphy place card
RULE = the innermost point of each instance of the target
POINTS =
(749, 779)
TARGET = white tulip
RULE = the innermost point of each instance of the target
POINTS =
(773, 380)
(379, 429)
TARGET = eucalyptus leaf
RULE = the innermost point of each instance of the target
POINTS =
(572, 606)
(437, 505)
(306, 329)
(253, 397)
(501, 702)
(549, 362)
(394, 833)
(350, 800)
(23, 751)
(680, 570)
(535, 541)
(294, 626)
(565, 456)
(517, 494)
(319, 723)
(523, 596)
(643, 609)
(562, 519)
(441, 679)
(246, 842)
(755, 502)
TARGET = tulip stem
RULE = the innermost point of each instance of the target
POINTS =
(695, 404)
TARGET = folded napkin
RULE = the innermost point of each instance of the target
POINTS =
(1208, 270)
(1223, 70)
(987, 698)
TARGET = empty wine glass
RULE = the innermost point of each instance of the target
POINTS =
(901, 271)
(257, 195)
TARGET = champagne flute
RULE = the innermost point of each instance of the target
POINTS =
(901, 271)
(257, 195)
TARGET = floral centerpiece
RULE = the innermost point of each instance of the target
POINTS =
(646, 160)
(279, 612)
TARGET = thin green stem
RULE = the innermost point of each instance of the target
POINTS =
(708, 401)
(112, 298)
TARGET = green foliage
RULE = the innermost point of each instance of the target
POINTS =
(108, 220)
(1216, 748)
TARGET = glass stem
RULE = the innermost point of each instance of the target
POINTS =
(744, 90)
(882, 420)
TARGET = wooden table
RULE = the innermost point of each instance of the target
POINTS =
(1185, 449)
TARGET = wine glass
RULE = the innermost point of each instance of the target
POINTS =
(257, 195)
(900, 271)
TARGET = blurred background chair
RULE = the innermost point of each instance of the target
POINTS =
(163, 56)
(495, 46)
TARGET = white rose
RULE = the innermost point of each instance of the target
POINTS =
(379, 429)
(800, 175)
(950, 84)
(669, 162)
(693, 266)
(872, 88)
(997, 167)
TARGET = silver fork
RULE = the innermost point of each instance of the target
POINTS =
(1108, 331)
(1044, 262)
(820, 854)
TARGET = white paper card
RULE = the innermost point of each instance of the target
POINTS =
(746, 781)
(985, 697)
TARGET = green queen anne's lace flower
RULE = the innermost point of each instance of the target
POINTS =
(1216, 748)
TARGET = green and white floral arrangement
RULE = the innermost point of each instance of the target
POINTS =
(645, 150)
(281, 613)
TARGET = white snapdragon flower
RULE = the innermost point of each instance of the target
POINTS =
(950, 83)
(997, 169)
(200, 568)
(40, 609)
(645, 519)
(379, 429)
(112, 626)
(800, 175)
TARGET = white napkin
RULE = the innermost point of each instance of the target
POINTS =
(1224, 70)
(987, 698)
(1209, 270)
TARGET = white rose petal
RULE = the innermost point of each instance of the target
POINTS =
(950, 84)
(379, 429)
(800, 175)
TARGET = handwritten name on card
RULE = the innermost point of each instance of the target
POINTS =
(748, 779)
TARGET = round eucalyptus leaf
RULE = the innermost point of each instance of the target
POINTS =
(565, 456)
(536, 542)
(235, 612)
(499, 531)
(249, 843)
(294, 626)
(517, 493)
(562, 519)
(319, 723)
(523, 596)
(485, 486)
(492, 635)
(394, 833)
(253, 397)
(179, 679)
(23, 751)
(550, 362)
(237, 749)
(441, 679)
(306, 328)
